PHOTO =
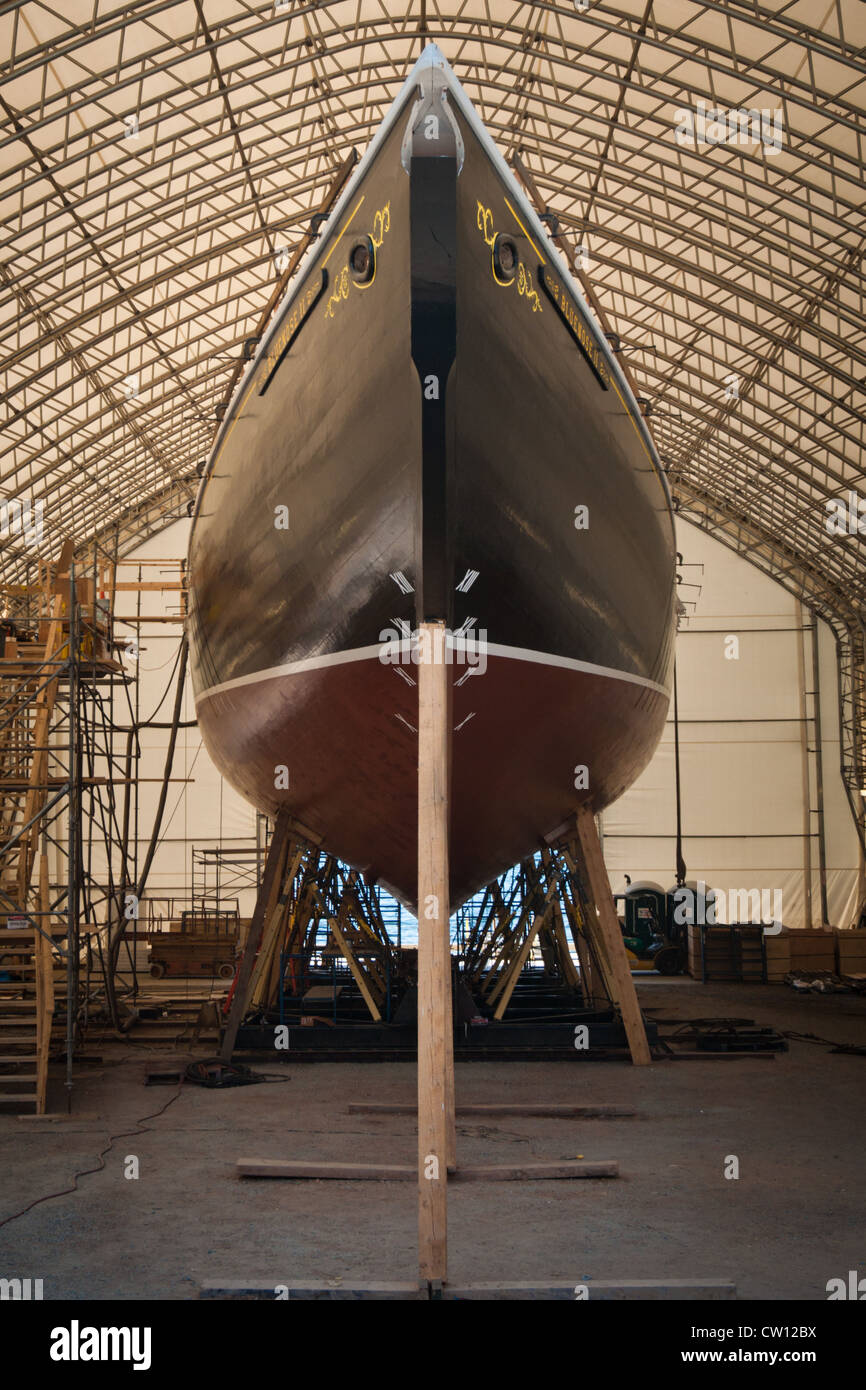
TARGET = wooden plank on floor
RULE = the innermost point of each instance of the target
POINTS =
(339, 1172)
(551, 1110)
(312, 1290)
(599, 1290)
(401, 1172)
(682, 1056)
(537, 1172)
(593, 1290)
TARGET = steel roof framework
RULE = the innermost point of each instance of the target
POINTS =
(161, 161)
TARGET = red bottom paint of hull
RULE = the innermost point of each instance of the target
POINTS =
(345, 739)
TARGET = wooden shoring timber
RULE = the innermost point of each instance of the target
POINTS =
(491, 935)
(511, 946)
(309, 918)
(553, 931)
(268, 891)
(594, 944)
(547, 945)
(355, 967)
(603, 928)
(476, 932)
(366, 910)
(264, 984)
(556, 930)
(545, 937)
(592, 980)
(368, 935)
(301, 937)
(471, 943)
(271, 934)
(522, 956)
(302, 920)
(436, 1119)
(501, 952)
(363, 948)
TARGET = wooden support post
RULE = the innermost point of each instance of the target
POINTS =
(268, 891)
(606, 931)
(436, 1123)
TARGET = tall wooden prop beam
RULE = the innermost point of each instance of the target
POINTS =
(609, 937)
(435, 1039)
(275, 867)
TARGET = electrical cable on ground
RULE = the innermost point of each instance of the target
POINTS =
(214, 1073)
(84, 1172)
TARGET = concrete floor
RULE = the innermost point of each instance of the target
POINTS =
(793, 1219)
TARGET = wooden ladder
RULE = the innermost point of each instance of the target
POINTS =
(27, 1003)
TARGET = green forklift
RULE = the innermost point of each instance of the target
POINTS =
(654, 940)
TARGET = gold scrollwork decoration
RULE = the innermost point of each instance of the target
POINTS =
(381, 225)
(525, 287)
(340, 291)
(484, 220)
(343, 282)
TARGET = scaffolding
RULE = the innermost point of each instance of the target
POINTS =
(68, 777)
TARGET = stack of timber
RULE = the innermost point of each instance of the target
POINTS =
(799, 950)
(732, 952)
(850, 953)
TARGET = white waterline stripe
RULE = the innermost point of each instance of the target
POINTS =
(293, 668)
(318, 663)
(547, 659)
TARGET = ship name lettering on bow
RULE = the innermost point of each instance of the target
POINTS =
(577, 328)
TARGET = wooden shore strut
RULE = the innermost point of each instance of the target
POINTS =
(437, 1134)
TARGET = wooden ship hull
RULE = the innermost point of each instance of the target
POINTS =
(433, 429)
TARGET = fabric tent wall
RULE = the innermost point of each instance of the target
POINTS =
(748, 778)
(204, 812)
(747, 764)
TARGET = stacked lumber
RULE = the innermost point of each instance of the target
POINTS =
(693, 962)
(800, 949)
(726, 952)
(850, 947)
(778, 952)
